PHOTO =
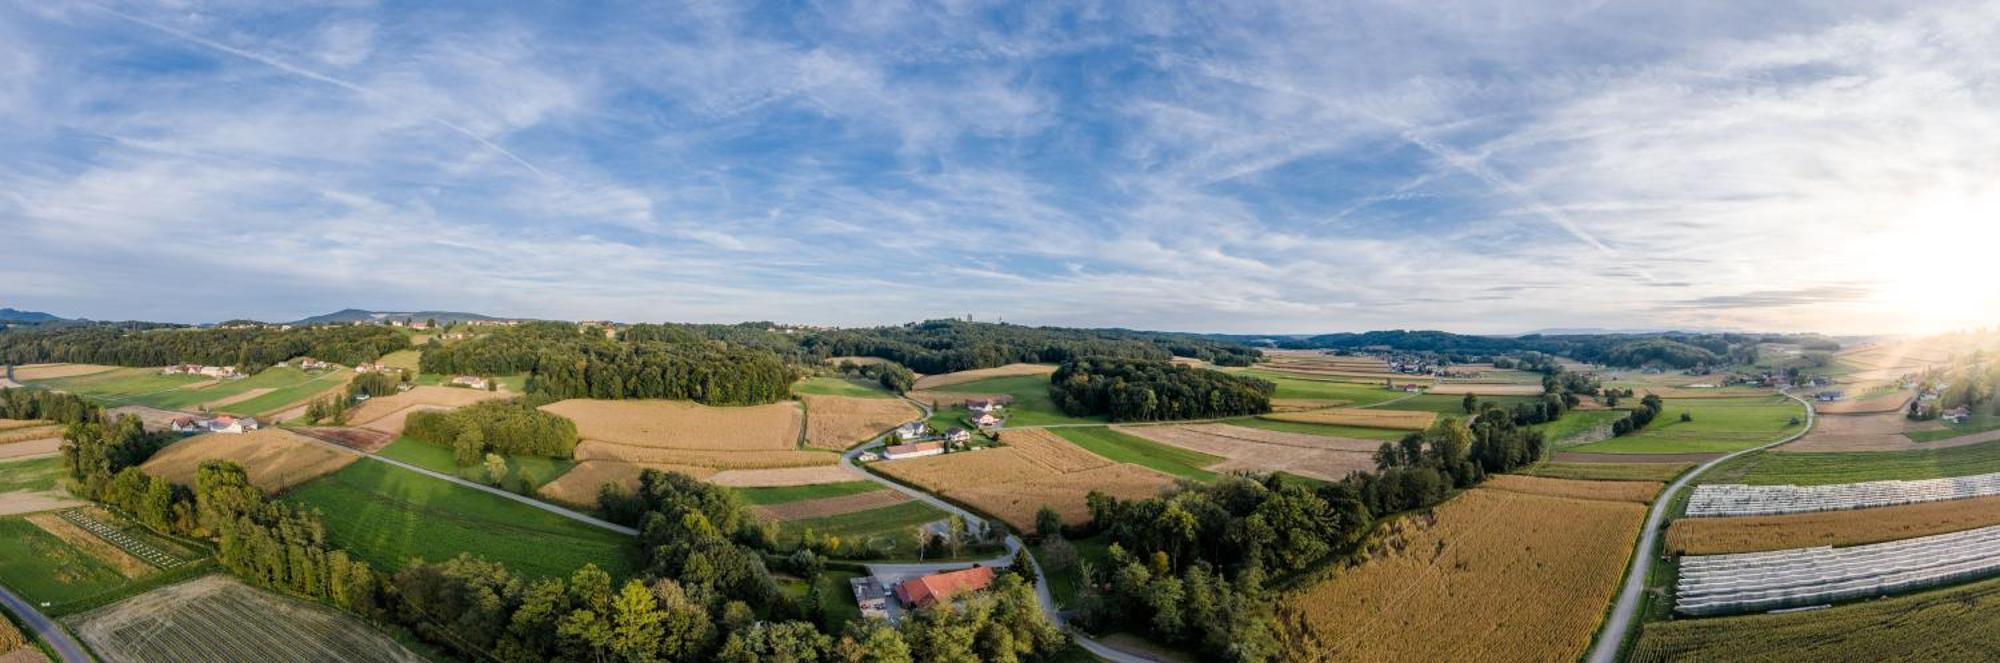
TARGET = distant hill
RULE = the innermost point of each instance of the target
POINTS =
(12, 315)
(360, 315)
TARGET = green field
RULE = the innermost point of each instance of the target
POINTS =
(532, 469)
(1123, 448)
(1573, 423)
(1295, 387)
(1720, 425)
(35, 474)
(837, 606)
(1956, 623)
(947, 418)
(1031, 406)
(1450, 405)
(1063, 585)
(388, 516)
(1848, 467)
(1978, 424)
(839, 386)
(1609, 471)
(403, 359)
(1356, 432)
(783, 494)
(887, 529)
(42, 568)
(146, 386)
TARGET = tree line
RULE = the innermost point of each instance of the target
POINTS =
(945, 346)
(1144, 390)
(1649, 408)
(510, 426)
(61, 408)
(565, 363)
(248, 349)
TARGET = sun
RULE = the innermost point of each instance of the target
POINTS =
(1939, 270)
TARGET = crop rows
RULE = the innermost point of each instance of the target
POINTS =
(215, 619)
(1748, 582)
(135, 547)
(1743, 500)
(1960, 623)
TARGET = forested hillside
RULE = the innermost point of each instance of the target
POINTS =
(1669, 349)
(1129, 390)
(566, 363)
(153, 345)
(944, 346)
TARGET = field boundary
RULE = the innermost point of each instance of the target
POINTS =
(140, 549)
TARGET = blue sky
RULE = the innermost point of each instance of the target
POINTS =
(1268, 167)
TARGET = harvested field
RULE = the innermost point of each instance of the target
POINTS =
(1486, 389)
(30, 433)
(1258, 450)
(37, 447)
(76, 537)
(274, 458)
(15, 645)
(975, 375)
(1304, 404)
(1610, 471)
(1518, 577)
(1391, 419)
(826, 507)
(1034, 468)
(11, 424)
(27, 372)
(1623, 459)
(216, 618)
(1714, 536)
(683, 425)
(839, 422)
(1684, 393)
(155, 419)
(1637, 492)
(1865, 432)
(581, 484)
(386, 413)
(721, 460)
(359, 439)
(1894, 402)
(789, 476)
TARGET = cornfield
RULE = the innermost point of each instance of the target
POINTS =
(1638, 492)
(1713, 536)
(274, 458)
(683, 425)
(839, 422)
(1954, 624)
(1391, 419)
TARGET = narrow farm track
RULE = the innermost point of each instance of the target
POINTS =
(1014, 546)
(1611, 637)
(66, 647)
(545, 506)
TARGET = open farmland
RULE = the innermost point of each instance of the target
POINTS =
(1610, 471)
(1295, 387)
(389, 515)
(784, 476)
(1034, 468)
(1379, 435)
(45, 569)
(1517, 577)
(961, 377)
(91, 544)
(33, 372)
(768, 495)
(217, 618)
(827, 385)
(30, 447)
(581, 485)
(1719, 425)
(839, 422)
(1031, 404)
(1120, 447)
(1865, 432)
(1895, 402)
(523, 472)
(12, 641)
(826, 507)
(1258, 450)
(1715, 536)
(387, 413)
(273, 389)
(274, 458)
(1451, 405)
(682, 425)
(1952, 433)
(1485, 389)
(1637, 492)
(1770, 468)
(1952, 624)
(1578, 427)
(885, 530)
(34, 484)
(1391, 419)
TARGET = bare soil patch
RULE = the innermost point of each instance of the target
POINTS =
(720, 460)
(975, 375)
(31, 501)
(657, 424)
(36, 447)
(217, 618)
(27, 372)
(1867, 432)
(125, 563)
(839, 422)
(359, 439)
(1258, 450)
(787, 476)
(1033, 469)
(831, 506)
(274, 458)
(19, 435)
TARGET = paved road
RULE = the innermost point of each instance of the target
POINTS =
(1014, 545)
(66, 647)
(545, 506)
(1611, 638)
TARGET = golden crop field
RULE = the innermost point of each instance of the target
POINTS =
(387, 413)
(783, 476)
(1959, 623)
(1714, 536)
(1305, 404)
(1864, 432)
(977, 374)
(658, 424)
(1391, 419)
(52, 371)
(711, 458)
(1034, 468)
(11, 639)
(1637, 492)
(581, 484)
(1486, 389)
(831, 506)
(1258, 450)
(1493, 575)
(11, 424)
(1657, 472)
(274, 458)
(839, 422)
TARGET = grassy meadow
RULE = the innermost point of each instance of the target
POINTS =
(1119, 447)
(1719, 425)
(1771, 467)
(887, 529)
(838, 386)
(534, 470)
(146, 386)
(782, 494)
(43, 568)
(1293, 387)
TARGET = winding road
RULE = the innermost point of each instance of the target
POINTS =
(66, 647)
(1611, 638)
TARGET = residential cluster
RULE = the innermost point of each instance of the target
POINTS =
(219, 372)
(917, 439)
(873, 594)
(217, 424)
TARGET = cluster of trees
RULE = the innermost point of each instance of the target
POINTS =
(891, 375)
(376, 384)
(52, 406)
(1146, 390)
(249, 349)
(506, 426)
(1637, 419)
(944, 346)
(565, 363)
(329, 409)
(1421, 469)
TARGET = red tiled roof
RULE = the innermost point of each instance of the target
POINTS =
(920, 592)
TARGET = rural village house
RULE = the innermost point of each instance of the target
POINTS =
(229, 424)
(917, 450)
(469, 381)
(869, 595)
(984, 406)
(911, 431)
(186, 425)
(311, 364)
(930, 589)
(986, 420)
(958, 436)
(1958, 415)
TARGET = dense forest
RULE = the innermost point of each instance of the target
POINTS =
(53, 406)
(566, 363)
(248, 349)
(944, 346)
(502, 426)
(1142, 390)
(1667, 349)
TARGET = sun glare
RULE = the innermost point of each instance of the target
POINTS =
(1937, 272)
